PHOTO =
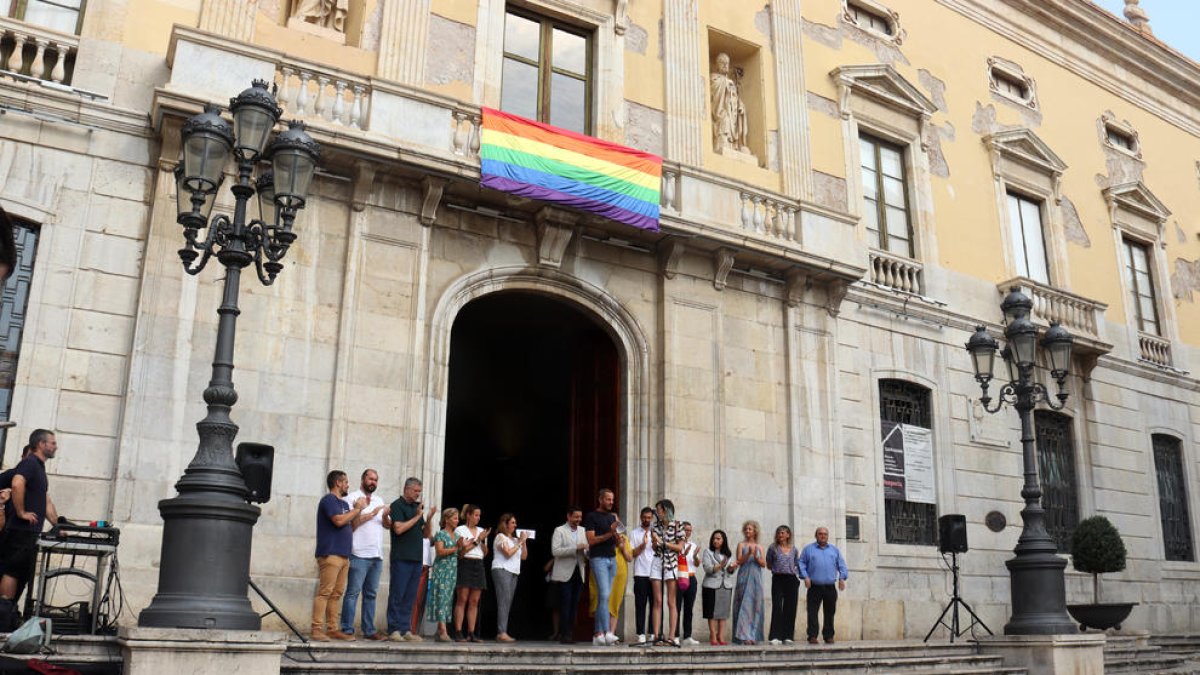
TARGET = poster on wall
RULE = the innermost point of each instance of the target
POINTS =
(908, 463)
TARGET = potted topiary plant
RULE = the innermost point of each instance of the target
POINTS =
(1097, 548)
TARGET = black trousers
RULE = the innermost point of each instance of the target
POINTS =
(825, 594)
(641, 603)
(568, 602)
(785, 595)
(684, 600)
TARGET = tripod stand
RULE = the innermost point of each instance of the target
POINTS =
(275, 610)
(952, 607)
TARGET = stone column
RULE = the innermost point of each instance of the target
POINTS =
(687, 100)
(231, 18)
(403, 41)
(794, 155)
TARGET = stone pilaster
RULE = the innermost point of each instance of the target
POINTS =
(231, 18)
(402, 41)
(687, 102)
(794, 155)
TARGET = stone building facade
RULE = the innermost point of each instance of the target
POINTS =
(905, 162)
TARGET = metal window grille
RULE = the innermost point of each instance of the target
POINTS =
(1056, 473)
(907, 522)
(1172, 498)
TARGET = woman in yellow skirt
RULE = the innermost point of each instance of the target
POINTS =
(624, 556)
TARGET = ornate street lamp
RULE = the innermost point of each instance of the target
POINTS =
(1038, 586)
(207, 529)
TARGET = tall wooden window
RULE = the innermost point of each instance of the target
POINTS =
(65, 16)
(547, 71)
(1028, 240)
(885, 196)
(907, 522)
(1141, 286)
(13, 302)
(1056, 473)
(1172, 498)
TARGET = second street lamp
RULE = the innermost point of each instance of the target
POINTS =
(204, 571)
(1036, 572)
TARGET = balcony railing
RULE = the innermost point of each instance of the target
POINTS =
(315, 94)
(897, 272)
(1155, 349)
(28, 51)
(769, 216)
(1077, 314)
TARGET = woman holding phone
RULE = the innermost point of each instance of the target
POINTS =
(506, 566)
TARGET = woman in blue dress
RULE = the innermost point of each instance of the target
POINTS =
(749, 606)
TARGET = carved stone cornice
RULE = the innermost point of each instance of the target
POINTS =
(554, 230)
(1126, 55)
(431, 188)
(722, 264)
(670, 253)
(362, 185)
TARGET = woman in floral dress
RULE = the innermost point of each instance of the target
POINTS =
(444, 574)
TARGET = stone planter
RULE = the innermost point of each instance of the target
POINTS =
(1101, 616)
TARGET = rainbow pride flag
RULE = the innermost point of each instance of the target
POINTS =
(536, 160)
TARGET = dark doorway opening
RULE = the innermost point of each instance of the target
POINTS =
(532, 426)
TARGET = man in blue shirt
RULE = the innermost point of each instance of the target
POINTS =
(822, 566)
(334, 538)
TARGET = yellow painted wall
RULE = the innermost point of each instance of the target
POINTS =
(644, 72)
(968, 228)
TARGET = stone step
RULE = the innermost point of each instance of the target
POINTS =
(327, 659)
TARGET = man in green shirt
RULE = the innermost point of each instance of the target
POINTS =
(409, 529)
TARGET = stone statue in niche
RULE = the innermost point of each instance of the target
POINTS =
(326, 18)
(731, 130)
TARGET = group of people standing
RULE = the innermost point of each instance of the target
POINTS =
(449, 569)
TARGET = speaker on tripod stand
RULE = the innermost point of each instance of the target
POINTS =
(952, 539)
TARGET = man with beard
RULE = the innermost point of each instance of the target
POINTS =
(334, 542)
(366, 557)
(31, 505)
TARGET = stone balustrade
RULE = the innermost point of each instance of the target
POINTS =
(37, 53)
(769, 216)
(897, 272)
(1077, 314)
(467, 128)
(315, 94)
(1155, 349)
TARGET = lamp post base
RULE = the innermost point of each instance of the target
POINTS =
(204, 571)
(1039, 595)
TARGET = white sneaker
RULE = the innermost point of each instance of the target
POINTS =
(611, 638)
(776, 642)
(789, 642)
(691, 641)
(599, 641)
(641, 638)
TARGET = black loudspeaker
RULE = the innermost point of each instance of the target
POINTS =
(952, 533)
(256, 461)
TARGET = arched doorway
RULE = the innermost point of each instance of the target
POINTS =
(533, 424)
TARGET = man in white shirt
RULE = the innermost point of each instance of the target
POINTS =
(643, 559)
(366, 557)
